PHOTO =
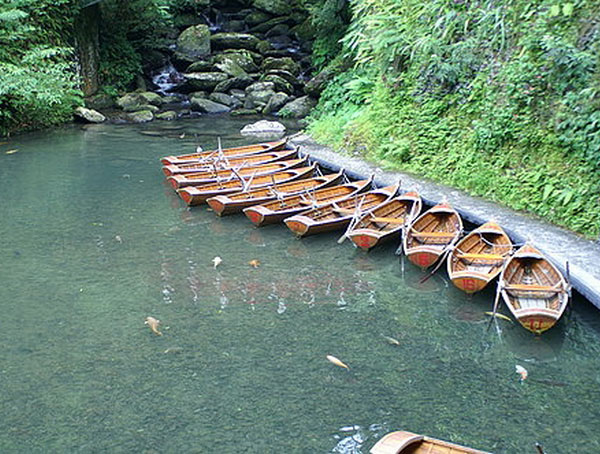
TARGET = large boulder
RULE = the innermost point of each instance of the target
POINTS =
(201, 66)
(285, 63)
(286, 75)
(298, 108)
(274, 7)
(205, 81)
(225, 99)
(142, 116)
(276, 102)
(259, 94)
(194, 42)
(131, 102)
(263, 127)
(257, 17)
(89, 115)
(152, 98)
(280, 84)
(207, 106)
(317, 84)
(263, 27)
(243, 58)
(231, 68)
(234, 83)
(168, 115)
(234, 41)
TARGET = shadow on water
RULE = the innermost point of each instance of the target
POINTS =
(241, 364)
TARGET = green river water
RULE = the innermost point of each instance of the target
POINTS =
(94, 241)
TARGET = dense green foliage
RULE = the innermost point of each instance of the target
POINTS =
(500, 98)
(131, 30)
(39, 83)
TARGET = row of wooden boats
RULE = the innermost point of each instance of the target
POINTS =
(270, 183)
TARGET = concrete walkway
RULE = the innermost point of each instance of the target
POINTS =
(558, 244)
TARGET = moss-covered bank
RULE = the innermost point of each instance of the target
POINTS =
(498, 98)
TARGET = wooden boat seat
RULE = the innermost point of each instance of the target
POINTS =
(465, 255)
(533, 288)
(432, 234)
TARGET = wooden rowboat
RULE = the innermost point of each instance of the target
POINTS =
(534, 290)
(196, 195)
(386, 221)
(228, 152)
(402, 442)
(278, 210)
(214, 176)
(251, 160)
(233, 203)
(478, 257)
(338, 215)
(432, 234)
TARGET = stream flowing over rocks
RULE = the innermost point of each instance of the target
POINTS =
(244, 57)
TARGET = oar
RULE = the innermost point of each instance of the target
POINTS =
(496, 301)
(437, 267)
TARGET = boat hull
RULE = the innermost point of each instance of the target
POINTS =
(197, 195)
(245, 150)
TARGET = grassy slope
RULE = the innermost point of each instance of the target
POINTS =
(515, 130)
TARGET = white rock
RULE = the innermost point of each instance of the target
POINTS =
(263, 127)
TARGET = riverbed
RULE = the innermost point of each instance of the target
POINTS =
(94, 241)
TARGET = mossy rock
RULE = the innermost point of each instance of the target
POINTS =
(264, 46)
(298, 108)
(89, 115)
(226, 100)
(274, 7)
(286, 75)
(243, 58)
(201, 66)
(142, 116)
(207, 106)
(285, 63)
(152, 98)
(257, 17)
(194, 41)
(235, 82)
(230, 67)
(266, 26)
(280, 84)
(244, 112)
(277, 101)
(205, 81)
(131, 102)
(234, 41)
(169, 115)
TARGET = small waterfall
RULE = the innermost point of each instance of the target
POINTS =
(166, 79)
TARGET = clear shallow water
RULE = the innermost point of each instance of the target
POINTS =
(94, 241)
